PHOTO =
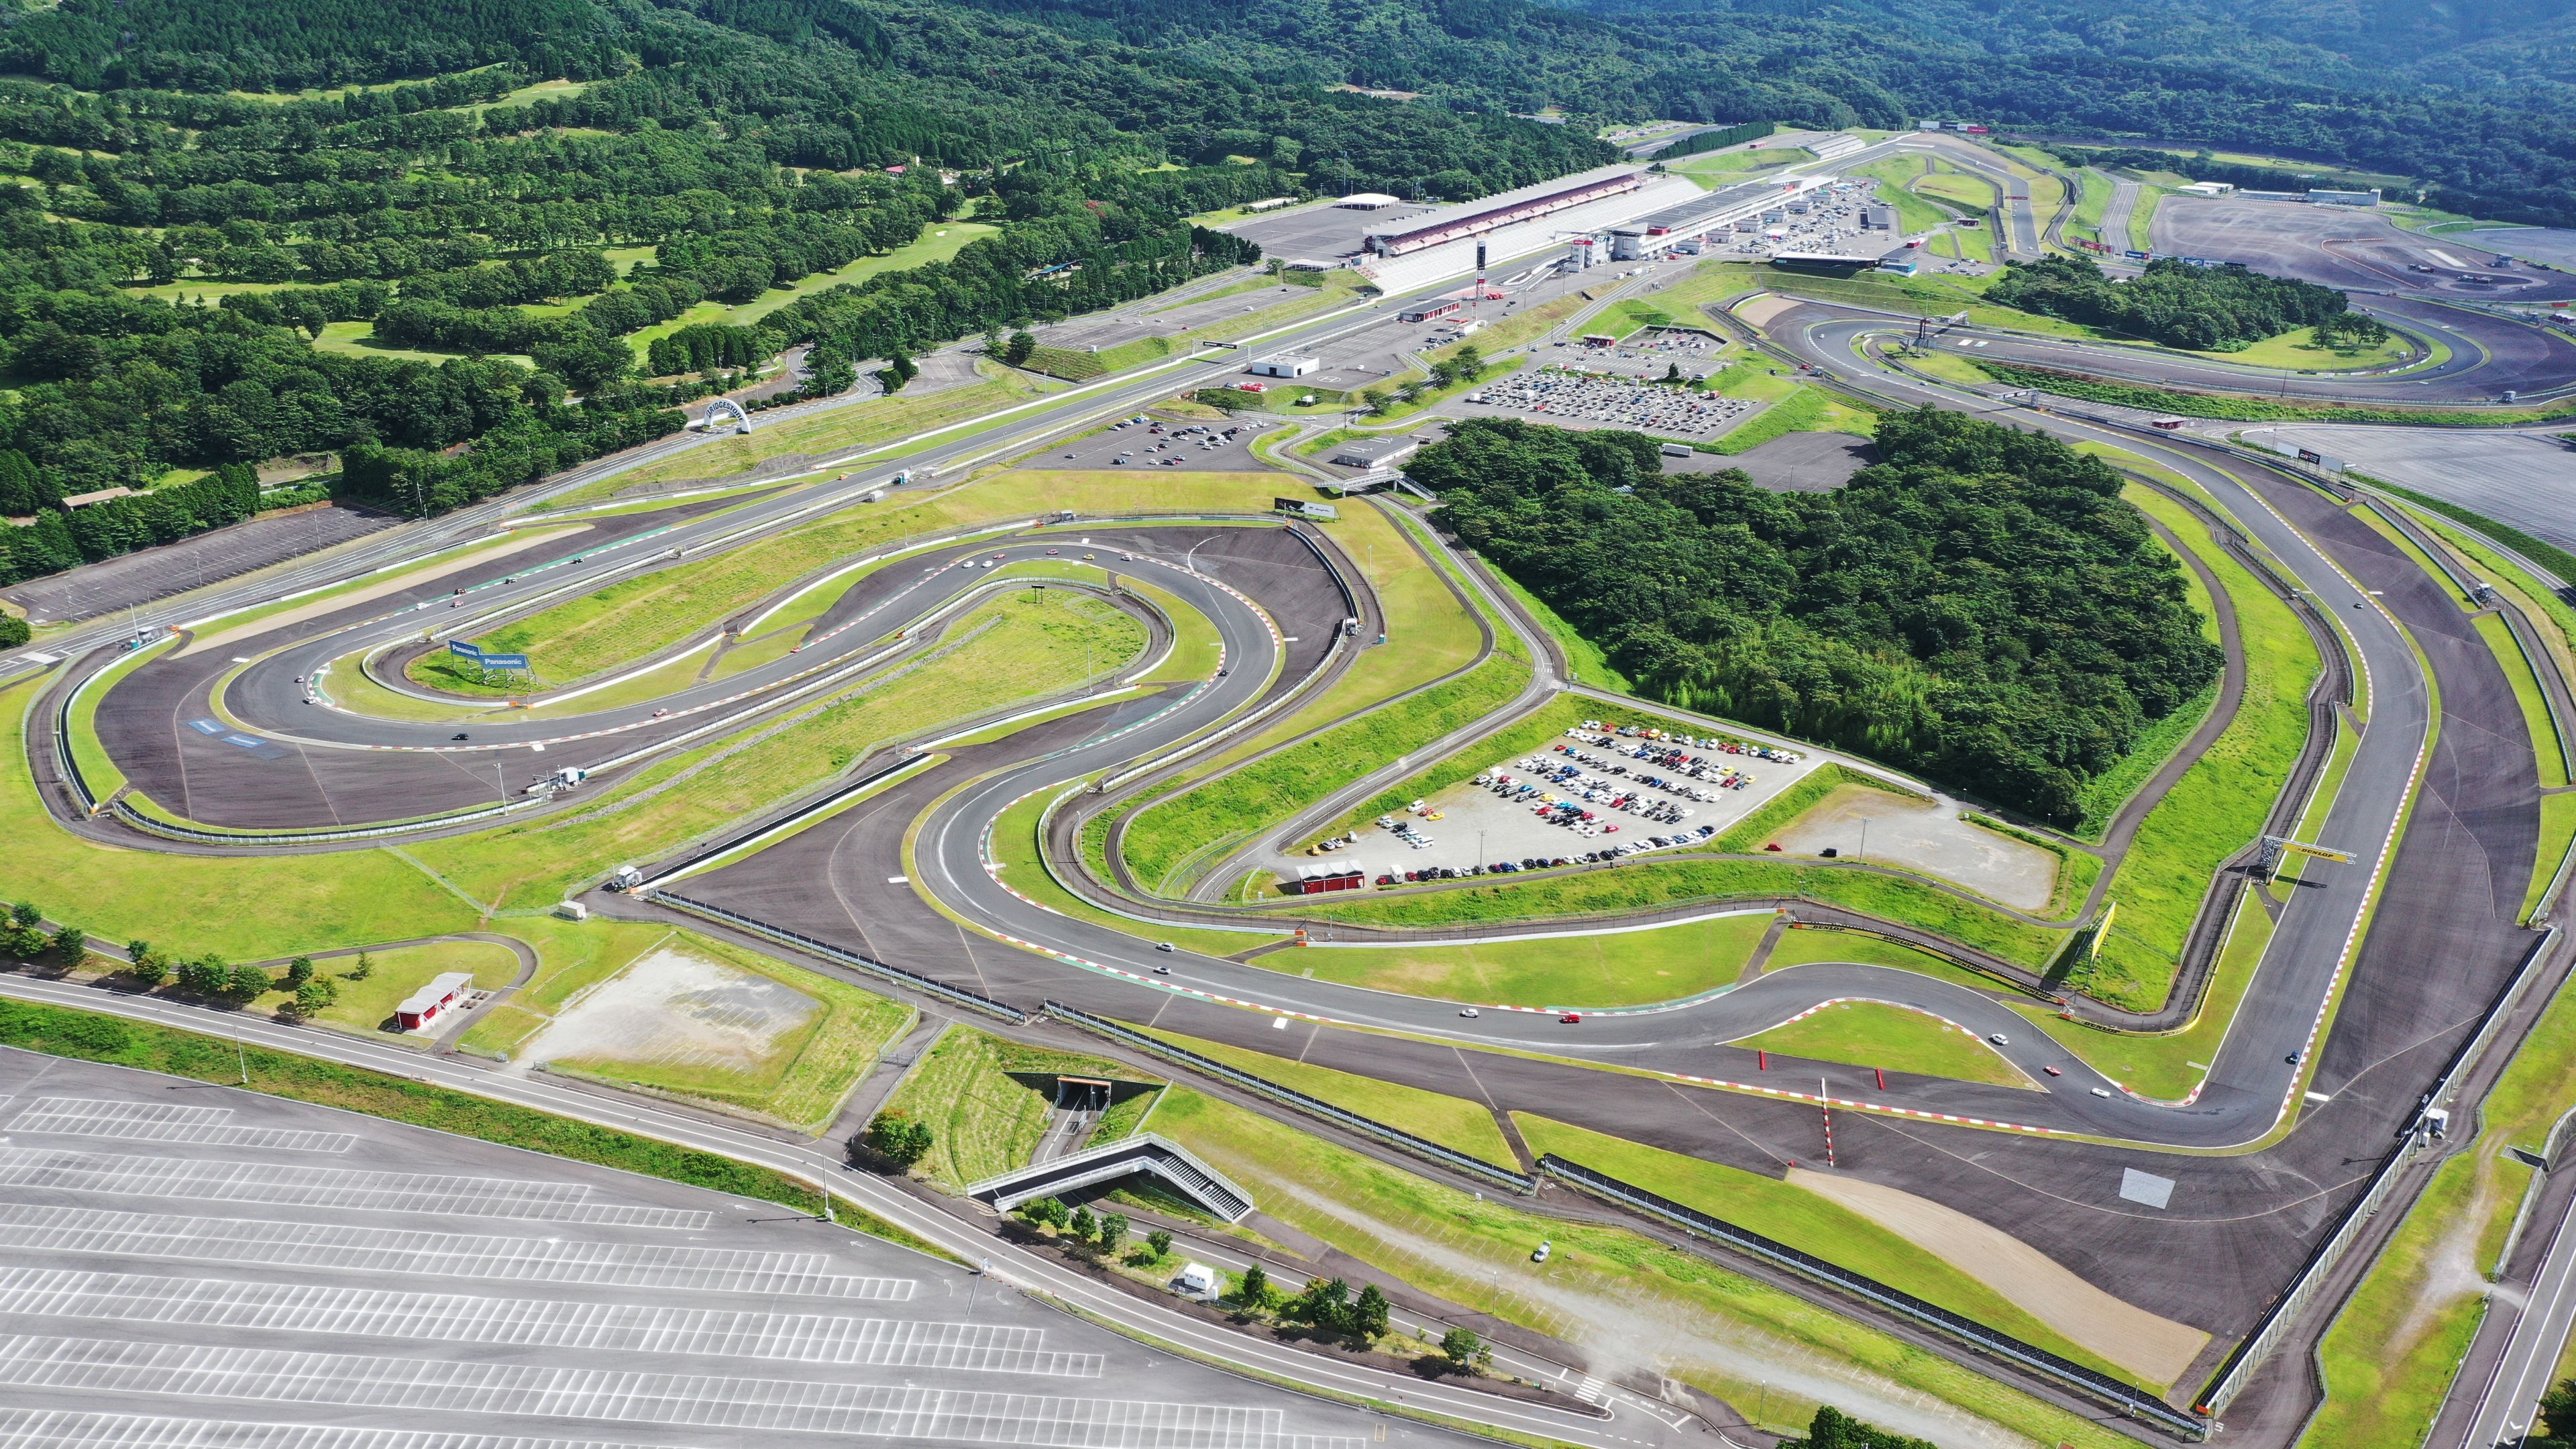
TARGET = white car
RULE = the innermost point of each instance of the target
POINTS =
(1467, 1011)
(1999, 1039)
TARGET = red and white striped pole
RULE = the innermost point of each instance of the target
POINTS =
(1828, 1103)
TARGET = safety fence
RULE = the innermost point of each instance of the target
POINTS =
(914, 980)
(1395, 1137)
(2136, 1402)
(2284, 1314)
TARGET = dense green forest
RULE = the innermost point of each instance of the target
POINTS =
(2219, 309)
(2467, 101)
(1980, 606)
(456, 206)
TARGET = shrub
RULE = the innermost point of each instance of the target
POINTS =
(898, 1138)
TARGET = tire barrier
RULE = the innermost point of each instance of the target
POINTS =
(1396, 1137)
(2131, 1400)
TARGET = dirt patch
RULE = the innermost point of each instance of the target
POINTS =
(1887, 829)
(2157, 1349)
(673, 1009)
(1758, 311)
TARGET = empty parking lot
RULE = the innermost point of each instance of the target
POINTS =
(182, 1264)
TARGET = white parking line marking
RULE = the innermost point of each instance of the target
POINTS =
(167, 1122)
(27, 1227)
(334, 1187)
(278, 1376)
(69, 1429)
(529, 1323)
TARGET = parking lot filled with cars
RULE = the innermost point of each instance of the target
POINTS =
(1152, 440)
(1560, 393)
(1601, 792)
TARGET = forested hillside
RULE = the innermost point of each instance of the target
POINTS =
(2466, 99)
(1980, 606)
(541, 181)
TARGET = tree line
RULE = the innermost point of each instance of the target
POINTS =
(1980, 606)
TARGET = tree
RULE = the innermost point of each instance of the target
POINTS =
(1464, 1350)
(1113, 1230)
(899, 1139)
(249, 981)
(1254, 1291)
(1831, 1428)
(1470, 360)
(298, 971)
(71, 945)
(25, 913)
(1326, 1303)
(1159, 1243)
(1672, 372)
(207, 975)
(365, 968)
(1083, 1228)
(1368, 1315)
(149, 967)
(1373, 400)
(314, 996)
(899, 369)
(2558, 1412)
(13, 630)
(1019, 349)
(1045, 1212)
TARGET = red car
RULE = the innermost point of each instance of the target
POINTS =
(1571, 1017)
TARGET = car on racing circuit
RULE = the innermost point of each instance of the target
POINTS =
(1467, 1011)
(1570, 1018)
(1162, 945)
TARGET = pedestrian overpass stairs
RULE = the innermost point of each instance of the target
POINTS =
(1146, 1154)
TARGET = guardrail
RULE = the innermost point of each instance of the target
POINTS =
(2232, 1376)
(914, 980)
(2137, 1403)
(1396, 1137)
(170, 830)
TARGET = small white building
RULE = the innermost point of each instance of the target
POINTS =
(1369, 201)
(1284, 366)
(2205, 188)
(1198, 1280)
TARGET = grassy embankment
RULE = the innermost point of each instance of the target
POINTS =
(1716, 1329)
(90, 1037)
(1726, 168)
(2236, 408)
(2391, 1355)
(988, 1102)
(2219, 804)
(1006, 650)
(802, 1074)
(1429, 634)
(1629, 968)
(1453, 1122)
(1877, 1034)
(1586, 662)
(635, 618)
